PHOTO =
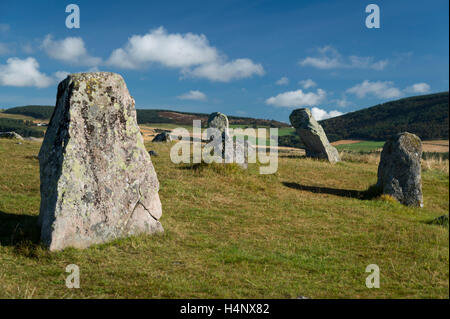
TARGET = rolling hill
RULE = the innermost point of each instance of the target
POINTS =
(425, 116)
(147, 116)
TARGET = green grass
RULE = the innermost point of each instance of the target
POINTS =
(237, 234)
(364, 146)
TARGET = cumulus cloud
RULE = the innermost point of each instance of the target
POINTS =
(60, 75)
(329, 58)
(171, 50)
(418, 88)
(189, 52)
(380, 89)
(23, 72)
(225, 72)
(308, 83)
(70, 49)
(283, 81)
(320, 114)
(193, 95)
(297, 98)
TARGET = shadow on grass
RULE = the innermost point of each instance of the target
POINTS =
(440, 221)
(370, 193)
(20, 232)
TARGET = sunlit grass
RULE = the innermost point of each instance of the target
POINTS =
(231, 233)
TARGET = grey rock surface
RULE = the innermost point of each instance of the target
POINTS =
(11, 135)
(162, 137)
(313, 136)
(219, 121)
(232, 151)
(399, 171)
(97, 179)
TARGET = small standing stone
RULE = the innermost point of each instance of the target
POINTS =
(399, 171)
(232, 151)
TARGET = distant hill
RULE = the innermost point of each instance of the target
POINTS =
(145, 116)
(425, 115)
(41, 112)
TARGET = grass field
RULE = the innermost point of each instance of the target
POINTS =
(363, 146)
(234, 234)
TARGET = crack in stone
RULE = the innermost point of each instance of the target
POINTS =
(136, 205)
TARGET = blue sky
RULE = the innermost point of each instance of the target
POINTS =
(250, 58)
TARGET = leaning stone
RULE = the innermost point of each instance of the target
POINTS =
(97, 179)
(313, 136)
(162, 137)
(399, 171)
(11, 135)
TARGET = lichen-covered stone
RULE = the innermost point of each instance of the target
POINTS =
(313, 136)
(399, 171)
(218, 121)
(97, 179)
(233, 151)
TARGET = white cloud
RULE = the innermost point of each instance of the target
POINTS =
(71, 49)
(189, 52)
(225, 72)
(18, 72)
(308, 83)
(329, 58)
(171, 50)
(193, 95)
(380, 89)
(297, 98)
(283, 81)
(320, 114)
(60, 75)
(418, 88)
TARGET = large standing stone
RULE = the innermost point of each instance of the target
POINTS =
(313, 136)
(97, 179)
(399, 169)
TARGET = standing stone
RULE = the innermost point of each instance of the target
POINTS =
(162, 137)
(97, 179)
(399, 169)
(313, 136)
(236, 152)
(218, 121)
